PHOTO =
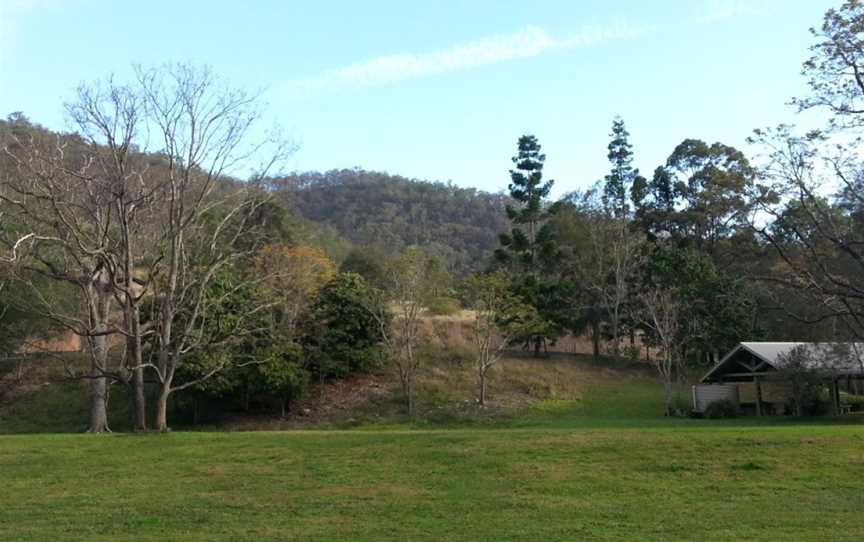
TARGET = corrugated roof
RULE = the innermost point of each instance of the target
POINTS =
(771, 352)
(834, 357)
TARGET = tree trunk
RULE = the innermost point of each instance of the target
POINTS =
(133, 345)
(667, 388)
(140, 400)
(412, 407)
(161, 421)
(595, 338)
(98, 404)
(98, 305)
(283, 405)
(99, 353)
(616, 340)
(482, 398)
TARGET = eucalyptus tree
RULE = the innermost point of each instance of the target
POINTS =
(813, 183)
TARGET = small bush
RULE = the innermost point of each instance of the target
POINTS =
(443, 306)
(723, 408)
(632, 353)
(681, 405)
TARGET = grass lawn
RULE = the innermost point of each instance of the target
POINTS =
(593, 460)
(706, 483)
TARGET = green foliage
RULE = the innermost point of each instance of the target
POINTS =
(368, 262)
(622, 180)
(718, 308)
(530, 244)
(282, 371)
(497, 306)
(699, 197)
(343, 334)
(531, 249)
(235, 319)
(724, 408)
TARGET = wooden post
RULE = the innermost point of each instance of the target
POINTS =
(758, 395)
(835, 396)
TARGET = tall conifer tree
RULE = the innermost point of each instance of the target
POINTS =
(529, 244)
(618, 184)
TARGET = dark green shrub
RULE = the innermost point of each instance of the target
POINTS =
(342, 333)
(723, 408)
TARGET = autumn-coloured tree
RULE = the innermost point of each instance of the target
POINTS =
(292, 277)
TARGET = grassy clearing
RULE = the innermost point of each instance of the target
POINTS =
(732, 483)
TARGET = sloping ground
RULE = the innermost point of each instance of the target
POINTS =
(733, 483)
(519, 385)
(521, 389)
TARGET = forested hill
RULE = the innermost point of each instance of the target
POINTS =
(379, 211)
(390, 212)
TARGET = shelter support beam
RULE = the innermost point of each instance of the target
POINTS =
(758, 383)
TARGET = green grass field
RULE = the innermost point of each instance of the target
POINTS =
(705, 483)
(592, 460)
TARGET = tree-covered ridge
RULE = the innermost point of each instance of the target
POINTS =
(391, 212)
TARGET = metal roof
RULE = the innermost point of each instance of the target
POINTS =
(834, 357)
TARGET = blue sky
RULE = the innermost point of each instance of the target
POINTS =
(442, 90)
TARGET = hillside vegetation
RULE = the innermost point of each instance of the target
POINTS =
(390, 212)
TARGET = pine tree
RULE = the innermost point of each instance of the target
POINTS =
(529, 243)
(619, 182)
(530, 248)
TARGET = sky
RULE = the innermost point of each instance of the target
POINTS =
(442, 90)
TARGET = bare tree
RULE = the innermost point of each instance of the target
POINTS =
(131, 225)
(62, 195)
(660, 312)
(203, 131)
(108, 117)
(409, 286)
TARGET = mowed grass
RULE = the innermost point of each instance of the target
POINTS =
(699, 483)
(589, 458)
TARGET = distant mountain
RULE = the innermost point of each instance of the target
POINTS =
(390, 212)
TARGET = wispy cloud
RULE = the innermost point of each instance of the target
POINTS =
(719, 10)
(531, 41)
